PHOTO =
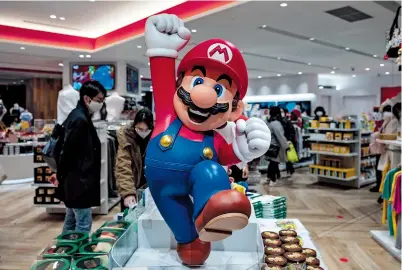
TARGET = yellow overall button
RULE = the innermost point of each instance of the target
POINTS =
(166, 140)
(208, 153)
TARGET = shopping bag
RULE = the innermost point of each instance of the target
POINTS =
(394, 37)
(291, 154)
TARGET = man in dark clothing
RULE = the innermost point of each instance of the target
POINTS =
(78, 174)
(290, 134)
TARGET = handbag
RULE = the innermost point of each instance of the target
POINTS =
(273, 151)
(394, 38)
(52, 150)
(291, 154)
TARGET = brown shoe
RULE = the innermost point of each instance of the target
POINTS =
(224, 212)
(194, 253)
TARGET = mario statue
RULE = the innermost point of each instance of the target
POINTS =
(186, 150)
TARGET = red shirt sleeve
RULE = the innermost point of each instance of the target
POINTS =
(163, 75)
(226, 155)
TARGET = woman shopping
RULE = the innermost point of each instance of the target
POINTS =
(133, 141)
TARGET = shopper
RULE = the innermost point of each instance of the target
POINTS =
(78, 172)
(290, 134)
(133, 141)
(279, 145)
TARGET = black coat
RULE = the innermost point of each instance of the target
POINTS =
(80, 161)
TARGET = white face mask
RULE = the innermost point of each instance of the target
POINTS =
(283, 114)
(143, 134)
(94, 106)
(387, 115)
(319, 113)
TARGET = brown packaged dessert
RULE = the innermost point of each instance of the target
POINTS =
(295, 259)
(309, 252)
(290, 240)
(311, 267)
(287, 233)
(312, 261)
(272, 242)
(269, 235)
(292, 247)
(274, 250)
(275, 260)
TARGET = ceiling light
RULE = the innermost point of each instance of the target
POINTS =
(193, 30)
(22, 48)
(347, 48)
(312, 39)
(387, 73)
(81, 56)
(279, 58)
(263, 26)
(141, 76)
(309, 64)
(22, 80)
(241, 51)
(337, 88)
(91, 0)
(381, 65)
(259, 77)
(353, 75)
(61, 65)
(149, 63)
(278, 75)
(334, 68)
(284, 5)
(300, 73)
(332, 72)
(374, 55)
(139, 46)
(53, 16)
(62, 18)
(320, 87)
(367, 69)
(88, 56)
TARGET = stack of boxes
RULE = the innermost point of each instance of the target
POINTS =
(268, 206)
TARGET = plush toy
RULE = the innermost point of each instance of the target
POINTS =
(193, 137)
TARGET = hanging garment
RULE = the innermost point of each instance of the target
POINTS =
(397, 195)
(386, 195)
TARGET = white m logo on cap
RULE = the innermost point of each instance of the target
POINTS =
(220, 52)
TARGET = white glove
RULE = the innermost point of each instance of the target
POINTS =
(165, 35)
(253, 139)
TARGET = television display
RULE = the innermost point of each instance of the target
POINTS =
(290, 105)
(258, 109)
(103, 73)
(132, 80)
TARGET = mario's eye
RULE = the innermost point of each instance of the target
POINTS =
(196, 81)
(219, 89)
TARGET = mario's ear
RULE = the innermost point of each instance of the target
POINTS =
(236, 113)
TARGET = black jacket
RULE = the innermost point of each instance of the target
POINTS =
(80, 161)
(290, 132)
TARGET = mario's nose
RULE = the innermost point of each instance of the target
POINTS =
(203, 96)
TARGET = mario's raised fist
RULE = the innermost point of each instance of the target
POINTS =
(165, 35)
(253, 139)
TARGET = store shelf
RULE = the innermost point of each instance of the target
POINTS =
(58, 206)
(42, 185)
(334, 129)
(386, 241)
(334, 154)
(389, 142)
(337, 178)
(334, 141)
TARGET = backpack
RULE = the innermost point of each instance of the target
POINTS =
(52, 150)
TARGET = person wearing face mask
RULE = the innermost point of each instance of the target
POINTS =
(133, 140)
(319, 112)
(78, 171)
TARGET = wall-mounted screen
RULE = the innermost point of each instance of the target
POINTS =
(290, 105)
(258, 109)
(132, 80)
(103, 73)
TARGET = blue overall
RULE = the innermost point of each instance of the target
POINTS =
(179, 170)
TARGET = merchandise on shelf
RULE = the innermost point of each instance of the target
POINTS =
(59, 250)
(115, 225)
(59, 264)
(343, 173)
(99, 262)
(42, 174)
(96, 247)
(106, 234)
(267, 206)
(77, 238)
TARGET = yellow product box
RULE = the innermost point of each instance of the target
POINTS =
(315, 124)
(329, 136)
(338, 136)
(329, 148)
(344, 149)
(314, 146)
(324, 125)
(348, 124)
(322, 147)
(337, 149)
(347, 136)
(323, 119)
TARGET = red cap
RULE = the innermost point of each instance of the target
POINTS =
(222, 55)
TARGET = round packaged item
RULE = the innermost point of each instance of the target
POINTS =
(288, 247)
(309, 252)
(311, 267)
(116, 225)
(272, 242)
(269, 235)
(96, 247)
(52, 264)
(73, 237)
(290, 240)
(274, 251)
(288, 233)
(275, 260)
(60, 250)
(106, 234)
(91, 262)
(271, 267)
(312, 261)
(296, 260)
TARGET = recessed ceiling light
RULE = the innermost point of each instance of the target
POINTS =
(259, 77)
(309, 64)
(88, 56)
(193, 30)
(320, 87)
(81, 56)
(139, 46)
(92, 0)
(22, 48)
(141, 76)
(53, 16)
(149, 63)
(353, 75)
(381, 65)
(279, 58)
(22, 80)
(374, 55)
(312, 39)
(334, 68)
(284, 5)
(387, 73)
(300, 73)
(61, 65)
(263, 26)
(367, 69)
(278, 75)
(347, 48)
(332, 72)
(62, 18)
(241, 51)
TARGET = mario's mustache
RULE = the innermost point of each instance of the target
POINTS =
(217, 108)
